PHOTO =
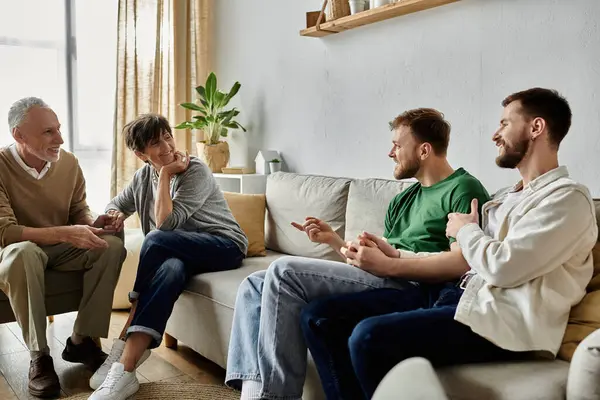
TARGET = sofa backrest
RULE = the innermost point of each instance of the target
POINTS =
(292, 197)
(368, 201)
(350, 206)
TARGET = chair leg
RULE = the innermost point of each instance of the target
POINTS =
(50, 318)
(170, 341)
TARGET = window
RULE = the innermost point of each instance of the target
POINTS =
(64, 51)
(33, 57)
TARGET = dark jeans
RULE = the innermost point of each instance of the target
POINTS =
(356, 339)
(168, 260)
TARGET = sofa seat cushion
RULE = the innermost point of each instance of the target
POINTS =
(527, 380)
(222, 286)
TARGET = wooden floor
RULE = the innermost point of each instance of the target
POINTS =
(164, 364)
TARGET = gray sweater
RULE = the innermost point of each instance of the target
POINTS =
(198, 203)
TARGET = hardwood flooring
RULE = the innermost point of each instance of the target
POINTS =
(164, 364)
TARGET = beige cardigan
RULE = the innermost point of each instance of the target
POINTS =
(536, 268)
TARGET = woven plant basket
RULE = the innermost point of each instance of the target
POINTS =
(337, 9)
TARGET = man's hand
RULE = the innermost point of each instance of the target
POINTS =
(456, 220)
(317, 230)
(369, 259)
(117, 219)
(82, 236)
(380, 242)
(104, 222)
(179, 165)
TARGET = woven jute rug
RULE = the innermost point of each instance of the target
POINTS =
(176, 391)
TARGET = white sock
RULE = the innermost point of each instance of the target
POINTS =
(251, 390)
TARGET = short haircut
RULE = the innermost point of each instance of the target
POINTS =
(546, 104)
(19, 109)
(144, 130)
(427, 126)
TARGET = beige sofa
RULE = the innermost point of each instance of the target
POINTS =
(203, 314)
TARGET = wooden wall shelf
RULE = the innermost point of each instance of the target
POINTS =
(382, 13)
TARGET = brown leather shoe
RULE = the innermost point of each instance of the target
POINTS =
(43, 381)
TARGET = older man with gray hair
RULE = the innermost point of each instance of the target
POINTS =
(45, 223)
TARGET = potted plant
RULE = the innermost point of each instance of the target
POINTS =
(213, 121)
(275, 165)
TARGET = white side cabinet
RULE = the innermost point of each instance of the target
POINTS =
(242, 183)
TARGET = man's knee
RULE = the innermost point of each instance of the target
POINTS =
(115, 249)
(283, 266)
(362, 337)
(23, 258)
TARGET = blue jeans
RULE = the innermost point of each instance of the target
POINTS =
(266, 340)
(357, 339)
(168, 260)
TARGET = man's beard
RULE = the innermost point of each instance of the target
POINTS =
(408, 171)
(513, 155)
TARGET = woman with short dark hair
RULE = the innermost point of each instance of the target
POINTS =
(188, 228)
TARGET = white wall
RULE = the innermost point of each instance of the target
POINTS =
(325, 103)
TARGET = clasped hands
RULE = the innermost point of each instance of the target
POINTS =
(370, 253)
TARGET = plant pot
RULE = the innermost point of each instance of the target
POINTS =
(379, 3)
(216, 156)
(274, 167)
(357, 6)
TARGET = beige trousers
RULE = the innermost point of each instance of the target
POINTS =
(22, 267)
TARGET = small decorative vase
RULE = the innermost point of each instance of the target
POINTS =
(275, 167)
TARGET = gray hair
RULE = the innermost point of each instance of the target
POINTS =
(18, 111)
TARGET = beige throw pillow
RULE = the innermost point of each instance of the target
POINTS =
(585, 316)
(249, 212)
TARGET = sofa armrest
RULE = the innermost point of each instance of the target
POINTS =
(413, 379)
(583, 382)
(133, 239)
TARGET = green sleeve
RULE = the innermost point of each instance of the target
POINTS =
(388, 219)
(463, 204)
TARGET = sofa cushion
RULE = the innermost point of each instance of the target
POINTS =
(249, 211)
(527, 380)
(222, 286)
(585, 316)
(293, 197)
(368, 201)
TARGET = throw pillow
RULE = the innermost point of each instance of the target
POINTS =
(249, 212)
(585, 316)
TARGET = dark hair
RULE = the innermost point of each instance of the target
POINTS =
(546, 104)
(144, 130)
(428, 126)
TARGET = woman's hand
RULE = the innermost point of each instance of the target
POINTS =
(179, 165)
(117, 219)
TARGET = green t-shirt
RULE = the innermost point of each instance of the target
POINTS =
(416, 218)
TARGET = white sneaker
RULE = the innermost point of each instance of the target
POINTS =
(119, 384)
(115, 355)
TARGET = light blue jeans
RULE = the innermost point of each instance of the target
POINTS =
(267, 344)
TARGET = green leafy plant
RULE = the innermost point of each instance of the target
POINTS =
(213, 119)
(275, 160)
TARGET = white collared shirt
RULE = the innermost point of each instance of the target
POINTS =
(31, 171)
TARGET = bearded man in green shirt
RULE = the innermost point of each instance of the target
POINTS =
(267, 351)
